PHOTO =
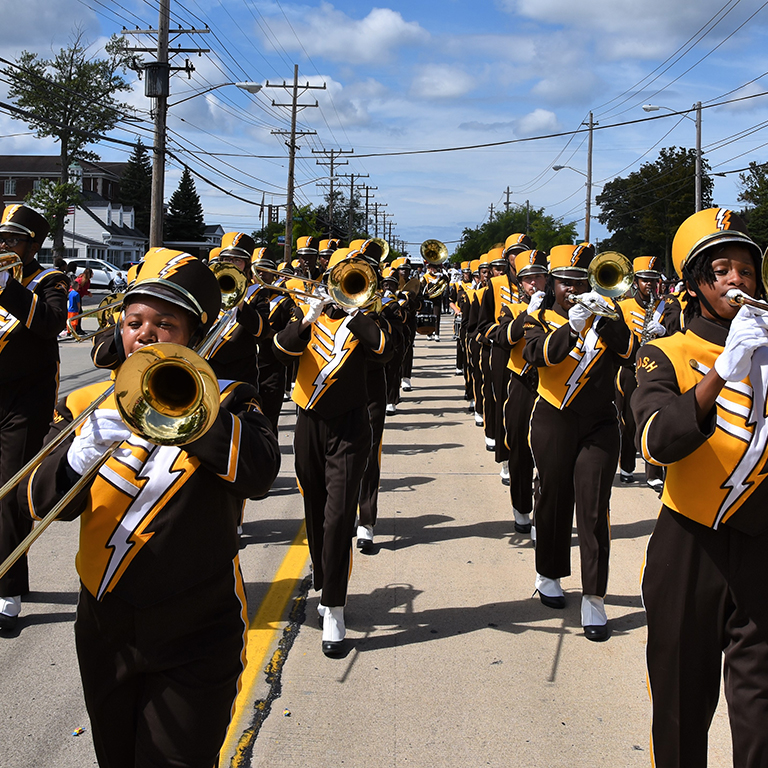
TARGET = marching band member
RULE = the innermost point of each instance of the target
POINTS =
(235, 356)
(333, 437)
(305, 262)
(403, 268)
(503, 291)
(161, 617)
(33, 311)
(325, 250)
(480, 276)
(433, 286)
(700, 409)
(574, 431)
(272, 372)
(508, 334)
(646, 313)
(389, 285)
(481, 358)
(457, 302)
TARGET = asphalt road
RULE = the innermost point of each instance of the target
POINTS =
(450, 661)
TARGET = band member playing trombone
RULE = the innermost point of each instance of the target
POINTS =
(333, 435)
(161, 618)
(33, 311)
(700, 408)
(574, 429)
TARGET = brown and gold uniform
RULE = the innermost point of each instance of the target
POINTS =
(574, 438)
(32, 314)
(333, 432)
(158, 561)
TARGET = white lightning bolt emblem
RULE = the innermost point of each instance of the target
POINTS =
(738, 479)
(588, 353)
(338, 353)
(159, 476)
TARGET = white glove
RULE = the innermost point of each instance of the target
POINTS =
(655, 330)
(749, 330)
(4, 277)
(316, 306)
(102, 428)
(351, 311)
(756, 311)
(578, 315)
(535, 302)
(595, 302)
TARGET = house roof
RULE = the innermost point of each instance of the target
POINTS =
(50, 165)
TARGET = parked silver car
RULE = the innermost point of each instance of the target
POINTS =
(105, 275)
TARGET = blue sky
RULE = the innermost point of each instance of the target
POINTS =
(425, 75)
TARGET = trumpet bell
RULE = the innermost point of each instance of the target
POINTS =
(610, 274)
(352, 283)
(167, 393)
(433, 251)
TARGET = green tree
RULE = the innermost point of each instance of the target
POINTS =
(754, 192)
(53, 199)
(545, 231)
(136, 186)
(644, 209)
(185, 221)
(70, 98)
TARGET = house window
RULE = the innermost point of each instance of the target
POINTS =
(36, 184)
(10, 187)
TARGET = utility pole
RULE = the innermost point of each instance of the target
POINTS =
(157, 86)
(506, 203)
(352, 177)
(376, 207)
(367, 214)
(527, 217)
(589, 179)
(291, 144)
(697, 107)
(333, 154)
(490, 218)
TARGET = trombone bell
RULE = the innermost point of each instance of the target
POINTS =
(610, 274)
(233, 284)
(167, 393)
(352, 283)
(10, 261)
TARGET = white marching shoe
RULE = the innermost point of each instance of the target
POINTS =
(522, 522)
(504, 473)
(10, 608)
(490, 444)
(391, 409)
(406, 385)
(365, 538)
(334, 630)
(593, 618)
(550, 592)
(478, 419)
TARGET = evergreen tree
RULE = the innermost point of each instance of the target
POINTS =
(136, 186)
(185, 220)
(754, 192)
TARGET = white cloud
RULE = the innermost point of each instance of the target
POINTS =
(441, 81)
(330, 33)
(538, 122)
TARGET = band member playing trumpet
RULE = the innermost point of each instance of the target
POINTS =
(574, 429)
(333, 435)
(33, 311)
(161, 618)
(700, 408)
(649, 316)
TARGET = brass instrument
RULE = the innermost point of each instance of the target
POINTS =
(351, 283)
(433, 251)
(610, 275)
(233, 284)
(384, 245)
(165, 393)
(9, 260)
(654, 301)
(437, 289)
(104, 314)
(739, 299)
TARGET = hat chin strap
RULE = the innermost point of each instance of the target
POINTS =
(692, 286)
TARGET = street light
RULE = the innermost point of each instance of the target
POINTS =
(697, 121)
(246, 86)
(589, 195)
(160, 93)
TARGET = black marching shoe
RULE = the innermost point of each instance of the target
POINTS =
(334, 630)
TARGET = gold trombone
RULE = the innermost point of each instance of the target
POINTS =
(351, 283)
(165, 393)
(610, 274)
(9, 260)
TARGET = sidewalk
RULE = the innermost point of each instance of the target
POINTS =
(451, 662)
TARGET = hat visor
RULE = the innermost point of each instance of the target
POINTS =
(648, 274)
(534, 269)
(573, 273)
(726, 237)
(16, 229)
(162, 289)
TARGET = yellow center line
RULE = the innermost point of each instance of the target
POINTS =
(263, 630)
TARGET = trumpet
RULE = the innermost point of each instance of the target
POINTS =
(10, 261)
(165, 393)
(610, 274)
(738, 299)
(433, 251)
